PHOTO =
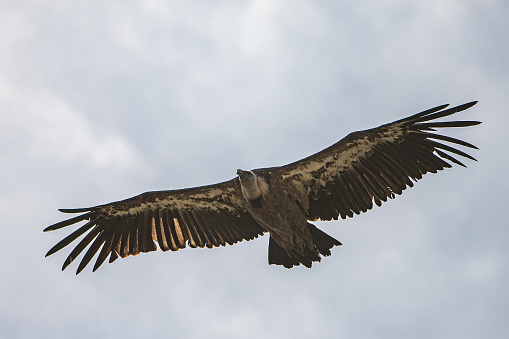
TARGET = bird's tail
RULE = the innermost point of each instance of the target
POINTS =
(322, 241)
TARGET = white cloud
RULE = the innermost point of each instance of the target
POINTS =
(49, 128)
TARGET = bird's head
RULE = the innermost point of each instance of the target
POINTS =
(246, 176)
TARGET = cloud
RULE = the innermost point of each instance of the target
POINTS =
(53, 130)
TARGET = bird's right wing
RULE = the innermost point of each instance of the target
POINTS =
(201, 216)
(373, 165)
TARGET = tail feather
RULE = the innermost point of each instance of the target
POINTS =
(278, 256)
(322, 241)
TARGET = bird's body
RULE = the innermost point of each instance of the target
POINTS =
(274, 208)
(344, 179)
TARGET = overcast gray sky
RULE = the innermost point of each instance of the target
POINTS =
(104, 100)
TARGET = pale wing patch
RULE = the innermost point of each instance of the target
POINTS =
(316, 173)
(180, 235)
(213, 199)
(153, 226)
(164, 236)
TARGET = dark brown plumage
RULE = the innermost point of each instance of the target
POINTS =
(344, 179)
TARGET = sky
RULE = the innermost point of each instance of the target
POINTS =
(100, 101)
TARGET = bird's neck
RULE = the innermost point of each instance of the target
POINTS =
(254, 189)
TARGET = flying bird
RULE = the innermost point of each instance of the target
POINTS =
(344, 179)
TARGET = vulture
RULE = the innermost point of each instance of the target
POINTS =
(364, 168)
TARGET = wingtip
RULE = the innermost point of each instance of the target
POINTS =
(75, 210)
(80, 268)
(50, 228)
(67, 262)
(67, 222)
(467, 105)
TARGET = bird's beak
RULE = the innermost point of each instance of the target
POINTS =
(239, 172)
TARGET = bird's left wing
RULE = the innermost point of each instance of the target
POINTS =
(373, 165)
(201, 216)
